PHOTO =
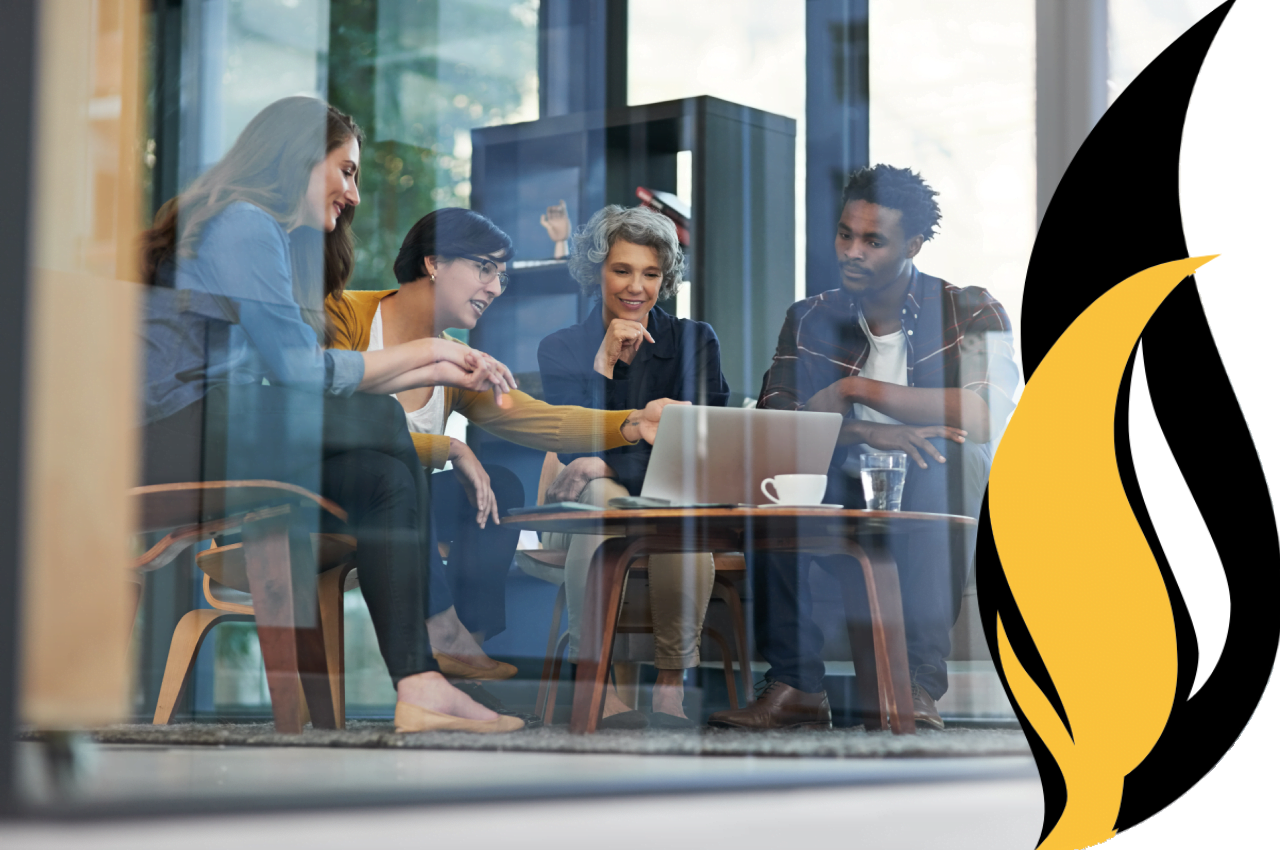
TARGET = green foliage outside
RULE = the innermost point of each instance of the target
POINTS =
(418, 75)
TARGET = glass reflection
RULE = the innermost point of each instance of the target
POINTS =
(390, 314)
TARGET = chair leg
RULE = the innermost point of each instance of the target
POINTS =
(330, 591)
(282, 579)
(606, 579)
(730, 684)
(544, 686)
(304, 715)
(888, 637)
(187, 638)
(135, 581)
(549, 709)
(884, 595)
(725, 589)
(875, 713)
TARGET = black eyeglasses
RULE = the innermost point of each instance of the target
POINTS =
(488, 271)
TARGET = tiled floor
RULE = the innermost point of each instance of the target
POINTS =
(609, 801)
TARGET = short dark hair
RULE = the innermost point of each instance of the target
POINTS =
(899, 189)
(449, 233)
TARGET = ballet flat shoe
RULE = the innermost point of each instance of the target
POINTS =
(476, 691)
(455, 668)
(413, 718)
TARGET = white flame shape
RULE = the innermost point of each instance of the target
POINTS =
(1183, 535)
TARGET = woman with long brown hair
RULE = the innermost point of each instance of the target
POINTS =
(238, 385)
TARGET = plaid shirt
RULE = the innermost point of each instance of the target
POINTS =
(955, 338)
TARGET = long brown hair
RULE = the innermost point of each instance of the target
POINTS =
(269, 166)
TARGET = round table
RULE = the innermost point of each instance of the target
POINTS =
(873, 606)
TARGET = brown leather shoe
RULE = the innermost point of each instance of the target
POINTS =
(924, 709)
(778, 707)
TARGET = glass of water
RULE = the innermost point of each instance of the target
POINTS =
(883, 474)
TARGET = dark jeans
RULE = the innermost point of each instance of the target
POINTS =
(932, 569)
(475, 578)
(356, 451)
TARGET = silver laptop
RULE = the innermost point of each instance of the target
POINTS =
(719, 455)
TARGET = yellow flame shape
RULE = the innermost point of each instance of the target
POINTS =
(1078, 565)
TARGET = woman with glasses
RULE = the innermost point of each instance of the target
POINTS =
(451, 267)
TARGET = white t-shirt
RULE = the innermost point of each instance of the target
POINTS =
(428, 419)
(887, 362)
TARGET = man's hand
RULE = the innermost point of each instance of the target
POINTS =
(575, 477)
(622, 339)
(474, 481)
(912, 439)
(643, 424)
(837, 398)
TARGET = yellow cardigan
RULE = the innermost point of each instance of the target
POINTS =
(527, 421)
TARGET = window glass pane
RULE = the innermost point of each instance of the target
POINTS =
(254, 53)
(953, 97)
(219, 269)
(438, 69)
(750, 53)
(417, 95)
(744, 52)
(1138, 30)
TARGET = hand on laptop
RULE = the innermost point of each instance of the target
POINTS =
(643, 424)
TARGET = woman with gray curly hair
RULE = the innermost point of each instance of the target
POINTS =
(627, 352)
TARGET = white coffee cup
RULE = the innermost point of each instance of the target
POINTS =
(795, 489)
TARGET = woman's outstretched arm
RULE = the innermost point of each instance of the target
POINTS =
(434, 362)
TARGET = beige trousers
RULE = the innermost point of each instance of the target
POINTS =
(679, 587)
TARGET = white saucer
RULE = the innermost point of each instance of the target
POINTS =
(804, 507)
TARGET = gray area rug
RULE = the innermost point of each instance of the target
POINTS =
(837, 743)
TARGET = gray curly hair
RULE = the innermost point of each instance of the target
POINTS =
(637, 225)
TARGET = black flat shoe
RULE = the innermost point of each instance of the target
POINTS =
(662, 720)
(625, 720)
(491, 702)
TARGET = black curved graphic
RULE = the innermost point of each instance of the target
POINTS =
(1164, 196)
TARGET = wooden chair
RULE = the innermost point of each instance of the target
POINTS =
(227, 590)
(548, 565)
(278, 567)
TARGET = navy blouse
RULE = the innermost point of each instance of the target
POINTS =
(682, 363)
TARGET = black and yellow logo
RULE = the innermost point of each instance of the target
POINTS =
(1087, 625)
(1091, 595)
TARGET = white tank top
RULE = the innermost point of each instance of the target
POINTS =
(428, 419)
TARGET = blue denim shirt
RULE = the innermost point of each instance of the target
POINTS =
(682, 363)
(230, 318)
